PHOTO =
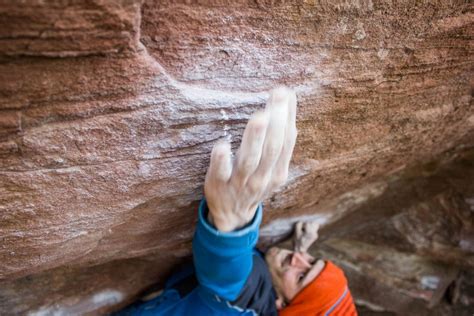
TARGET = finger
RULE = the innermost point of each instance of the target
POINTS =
(277, 111)
(299, 229)
(250, 150)
(280, 172)
(316, 231)
(314, 226)
(220, 167)
(297, 236)
(307, 227)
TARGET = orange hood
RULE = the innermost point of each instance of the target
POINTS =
(327, 294)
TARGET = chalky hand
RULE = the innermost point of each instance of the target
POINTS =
(233, 189)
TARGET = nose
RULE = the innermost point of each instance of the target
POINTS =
(298, 260)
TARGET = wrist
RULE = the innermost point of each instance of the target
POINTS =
(227, 223)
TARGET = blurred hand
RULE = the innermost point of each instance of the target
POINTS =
(306, 233)
(233, 190)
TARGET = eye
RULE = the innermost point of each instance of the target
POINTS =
(287, 261)
(301, 277)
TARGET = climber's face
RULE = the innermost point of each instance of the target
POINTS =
(291, 272)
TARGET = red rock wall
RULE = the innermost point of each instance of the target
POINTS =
(109, 109)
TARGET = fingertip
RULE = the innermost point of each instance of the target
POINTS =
(259, 116)
(259, 120)
(279, 94)
(220, 167)
(222, 144)
(299, 226)
(293, 99)
(221, 149)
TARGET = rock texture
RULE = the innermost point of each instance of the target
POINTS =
(109, 110)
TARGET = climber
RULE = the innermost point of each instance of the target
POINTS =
(228, 275)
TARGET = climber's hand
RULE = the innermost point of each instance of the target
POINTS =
(306, 233)
(233, 190)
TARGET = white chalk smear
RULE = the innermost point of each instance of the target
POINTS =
(107, 297)
(382, 53)
(429, 282)
(89, 304)
(225, 117)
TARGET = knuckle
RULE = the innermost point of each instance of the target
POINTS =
(276, 184)
(246, 165)
(254, 186)
(238, 178)
(272, 150)
(221, 175)
(280, 178)
(265, 181)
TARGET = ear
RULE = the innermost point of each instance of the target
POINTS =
(280, 303)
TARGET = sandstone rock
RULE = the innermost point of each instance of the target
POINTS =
(109, 110)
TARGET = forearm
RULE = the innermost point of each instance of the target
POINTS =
(223, 260)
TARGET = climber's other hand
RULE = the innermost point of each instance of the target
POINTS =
(306, 233)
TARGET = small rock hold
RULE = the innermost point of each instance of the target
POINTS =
(360, 34)
(382, 53)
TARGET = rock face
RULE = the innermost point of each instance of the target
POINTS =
(109, 110)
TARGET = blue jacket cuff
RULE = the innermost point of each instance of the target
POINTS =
(245, 237)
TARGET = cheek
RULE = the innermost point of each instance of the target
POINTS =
(272, 259)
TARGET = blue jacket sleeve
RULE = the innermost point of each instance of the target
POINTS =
(223, 261)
